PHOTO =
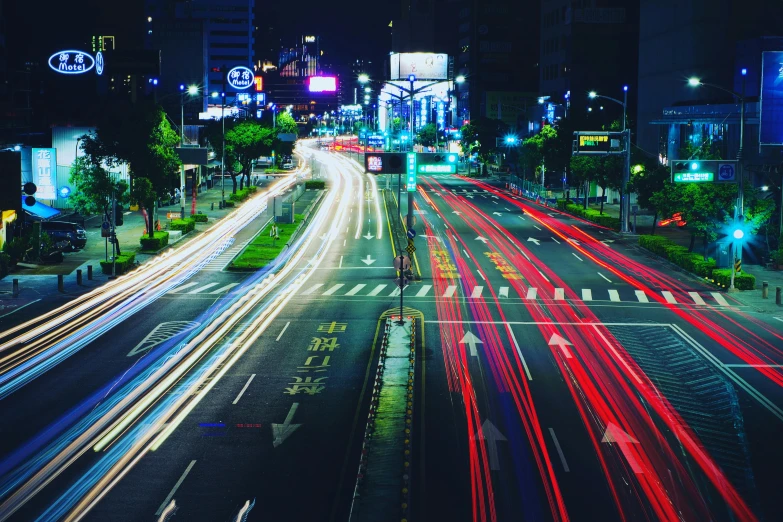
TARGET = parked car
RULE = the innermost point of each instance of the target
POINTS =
(288, 165)
(59, 231)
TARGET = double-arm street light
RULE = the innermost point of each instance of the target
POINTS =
(191, 90)
(625, 207)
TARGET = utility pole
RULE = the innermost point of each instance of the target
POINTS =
(113, 236)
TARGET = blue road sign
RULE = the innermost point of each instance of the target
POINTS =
(411, 233)
(726, 172)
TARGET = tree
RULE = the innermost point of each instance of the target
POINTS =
(144, 193)
(647, 182)
(396, 124)
(583, 170)
(286, 123)
(93, 187)
(214, 133)
(479, 137)
(542, 149)
(248, 140)
(427, 135)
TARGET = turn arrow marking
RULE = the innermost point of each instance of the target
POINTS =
(492, 435)
(615, 435)
(497, 213)
(280, 432)
(457, 212)
(368, 260)
(534, 240)
(471, 340)
(482, 239)
(573, 241)
(368, 236)
(557, 340)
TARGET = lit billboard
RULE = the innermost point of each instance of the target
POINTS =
(771, 105)
(424, 66)
(45, 173)
(322, 83)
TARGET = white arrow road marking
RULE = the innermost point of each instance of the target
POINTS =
(368, 260)
(615, 435)
(557, 340)
(491, 434)
(162, 333)
(368, 236)
(280, 432)
(482, 239)
(497, 214)
(572, 241)
(457, 212)
(534, 240)
(471, 340)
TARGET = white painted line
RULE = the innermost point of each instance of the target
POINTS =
(531, 293)
(641, 296)
(556, 241)
(423, 291)
(503, 291)
(283, 331)
(223, 289)
(344, 241)
(450, 291)
(176, 487)
(476, 292)
(466, 253)
(341, 262)
(600, 274)
(722, 300)
(312, 289)
(775, 318)
(559, 294)
(334, 289)
(559, 450)
(587, 294)
(181, 288)
(536, 227)
(482, 275)
(753, 365)
(696, 298)
(242, 392)
(519, 352)
(355, 290)
(377, 290)
(28, 304)
(614, 295)
(576, 256)
(542, 275)
(668, 296)
(619, 358)
(205, 287)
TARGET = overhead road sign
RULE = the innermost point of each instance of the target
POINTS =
(598, 143)
(703, 171)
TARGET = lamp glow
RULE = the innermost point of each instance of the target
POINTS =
(592, 94)
(192, 89)
(739, 234)
(693, 82)
(460, 79)
(363, 78)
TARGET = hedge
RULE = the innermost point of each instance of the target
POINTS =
(229, 204)
(155, 243)
(742, 281)
(315, 184)
(199, 218)
(183, 225)
(589, 214)
(124, 263)
(241, 195)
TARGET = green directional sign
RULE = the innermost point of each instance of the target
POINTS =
(446, 168)
(694, 177)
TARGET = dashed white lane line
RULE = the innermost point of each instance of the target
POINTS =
(607, 279)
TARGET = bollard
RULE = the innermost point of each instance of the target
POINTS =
(16, 288)
(60, 283)
(79, 276)
(777, 295)
(89, 272)
(212, 206)
(765, 290)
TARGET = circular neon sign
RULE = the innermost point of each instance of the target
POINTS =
(240, 77)
(99, 63)
(72, 62)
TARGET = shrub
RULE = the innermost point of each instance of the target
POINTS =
(242, 195)
(679, 255)
(123, 264)
(183, 225)
(155, 243)
(199, 218)
(315, 184)
(229, 204)
(589, 214)
(742, 281)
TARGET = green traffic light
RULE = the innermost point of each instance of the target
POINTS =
(739, 234)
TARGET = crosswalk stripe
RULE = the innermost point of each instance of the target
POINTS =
(201, 289)
(720, 299)
(476, 292)
(696, 298)
(641, 296)
(396, 291)
(614, 295)
(450, 291)
(312, 289)
(503, 291)
(355, 290)
(334, 289)
(668, 296)
(224, 288)
(181, 288)
(531, 293)
(377, 290)
(423, 291)
(559, 294)
(587, 294)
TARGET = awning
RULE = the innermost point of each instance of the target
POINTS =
(40, 210)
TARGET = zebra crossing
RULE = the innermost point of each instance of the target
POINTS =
(505, 292)
(221, 261)
(194, 288)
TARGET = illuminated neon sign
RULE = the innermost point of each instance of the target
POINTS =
(437, 169)
(322, 83)
(240, 77)
(99, 63)
(694, 177)
(72, 62)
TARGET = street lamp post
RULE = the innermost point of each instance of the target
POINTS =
(192, 90)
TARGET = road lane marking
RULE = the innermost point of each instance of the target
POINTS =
(641, 296)
(559, 450)
(531, 293)
(424, 290)
(576, 256)
(696, 298)
(176, 487)
(721, 300)
(344, 241)
(753, 365)
(614, 295)
(341, 262)
(668, 296)
(476, 291)
(559, 294)
(244, 388)
(181, 288)
(519, 352)
(607, 279)
(503, 291)
(222, 289)
(556, 241)
(542, 275)
(355, 290)
(536, 227)
(14, 311)
(450, 291)
(587, 294)
(466, 253)
(205, 287)
(283, 331)
(335, 288)
(312, 289)
(482, 275)
(377, 290)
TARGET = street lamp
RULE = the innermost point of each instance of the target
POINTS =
(625, 208)
(192, 90)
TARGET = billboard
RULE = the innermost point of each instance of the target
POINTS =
(322, 83)
(771, 105)
(424, 66)
(384, 162)
(240, 78)
(45, 173)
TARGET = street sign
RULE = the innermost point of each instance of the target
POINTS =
(411, 249)
(384, 162)
(598, 142)
(726, 172)
(410, 182)
(402, 262)
(105, 229)
(704, 171)
(694, 177)
(411, 233)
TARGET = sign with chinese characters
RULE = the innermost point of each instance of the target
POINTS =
(410, 183)
(259, 83)
(72, 62)
(588, 142)
(99, 63)
(438, 169)
(240, 78)
(385, 162)
(375, 163)
(694, 177)
(44, 161)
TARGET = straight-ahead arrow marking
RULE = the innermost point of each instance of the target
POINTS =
(280, 432)
(368, 236)
(368, 260)
(492, 435)
(615, 435)
(471, 340)
(557, 340)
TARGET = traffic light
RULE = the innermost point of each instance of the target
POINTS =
(692, 171)
(437, 163)
(739, 228)
(29, 189)
(118, 216)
